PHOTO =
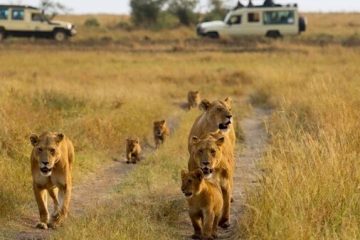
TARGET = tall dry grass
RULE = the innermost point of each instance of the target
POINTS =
(97, 98)
(310, 189)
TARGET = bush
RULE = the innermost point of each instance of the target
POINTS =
(146, 12)
(184, 11)
(92, 22)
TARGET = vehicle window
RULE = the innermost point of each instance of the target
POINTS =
(36, 17)
(4, 12)
(253, 17)
(235, 19)
(279, 17)
(18, 14)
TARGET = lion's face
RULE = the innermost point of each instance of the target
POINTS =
(219, 112)
(159, 128)
(194, 97)
(46, 151)
(191, 182)
(132, 143)
(207, 152)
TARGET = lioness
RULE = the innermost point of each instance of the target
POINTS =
(193, 99)
(205, 203)
(133, 150)
(51, 164)
(214, 156)
(216, 116)
(160, 132)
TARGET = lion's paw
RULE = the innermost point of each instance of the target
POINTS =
(42, 225)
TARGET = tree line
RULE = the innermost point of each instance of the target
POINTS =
(148, 13)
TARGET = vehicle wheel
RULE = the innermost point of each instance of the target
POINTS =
(213, 35)
(273, 34)
(60, 36)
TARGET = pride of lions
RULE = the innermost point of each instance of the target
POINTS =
(207, 184)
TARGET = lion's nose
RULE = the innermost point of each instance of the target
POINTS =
(45, 163)
(206, 163)
(229, 116)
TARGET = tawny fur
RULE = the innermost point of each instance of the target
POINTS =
(193, 99)
(161, 132)
(215, 113)
(133, 150)
(205, 203)
(214, 153)
(57, 151)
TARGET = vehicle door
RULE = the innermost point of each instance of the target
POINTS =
(18, 21)
(253, 23)
(234, 25)
(39, 24)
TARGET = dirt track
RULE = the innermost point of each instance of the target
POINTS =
(246, 172)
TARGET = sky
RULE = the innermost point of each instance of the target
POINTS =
(122, 6)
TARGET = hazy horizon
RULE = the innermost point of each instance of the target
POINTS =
(122, 6)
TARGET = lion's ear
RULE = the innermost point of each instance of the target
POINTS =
(59, 137)
(220, 141)
(199, 174)
(228, 100)
(163, 122)
(34, 139)
(204, 105)
(137, 140)
(194, 140)
(196, 92)
(183, 174)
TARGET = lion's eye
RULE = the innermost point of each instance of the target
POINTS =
(189, 181)
(40, 150)
(201, 151)
(213, 151)
(219, 109)
(52, 151)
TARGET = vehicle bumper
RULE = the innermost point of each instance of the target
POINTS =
(73, 32)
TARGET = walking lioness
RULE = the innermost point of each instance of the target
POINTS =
(51, 163)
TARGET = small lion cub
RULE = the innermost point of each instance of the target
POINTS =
(205, 203)
(193, 99)
(133, 150)
(160, 132)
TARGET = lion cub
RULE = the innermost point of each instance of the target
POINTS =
(133, 150)
(160, 132)
(205, 203)
(193, 99)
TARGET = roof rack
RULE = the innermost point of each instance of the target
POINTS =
(267, 4)
(16, 6)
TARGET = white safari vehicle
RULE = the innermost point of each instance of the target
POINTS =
(26, 21)
(271, 21)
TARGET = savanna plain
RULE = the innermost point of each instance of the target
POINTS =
(101, 90)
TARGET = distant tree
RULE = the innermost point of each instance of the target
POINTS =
(184, 10)
(53, 8)
(146, 12)
(218, 11)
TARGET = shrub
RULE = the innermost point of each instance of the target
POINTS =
(92, 22)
